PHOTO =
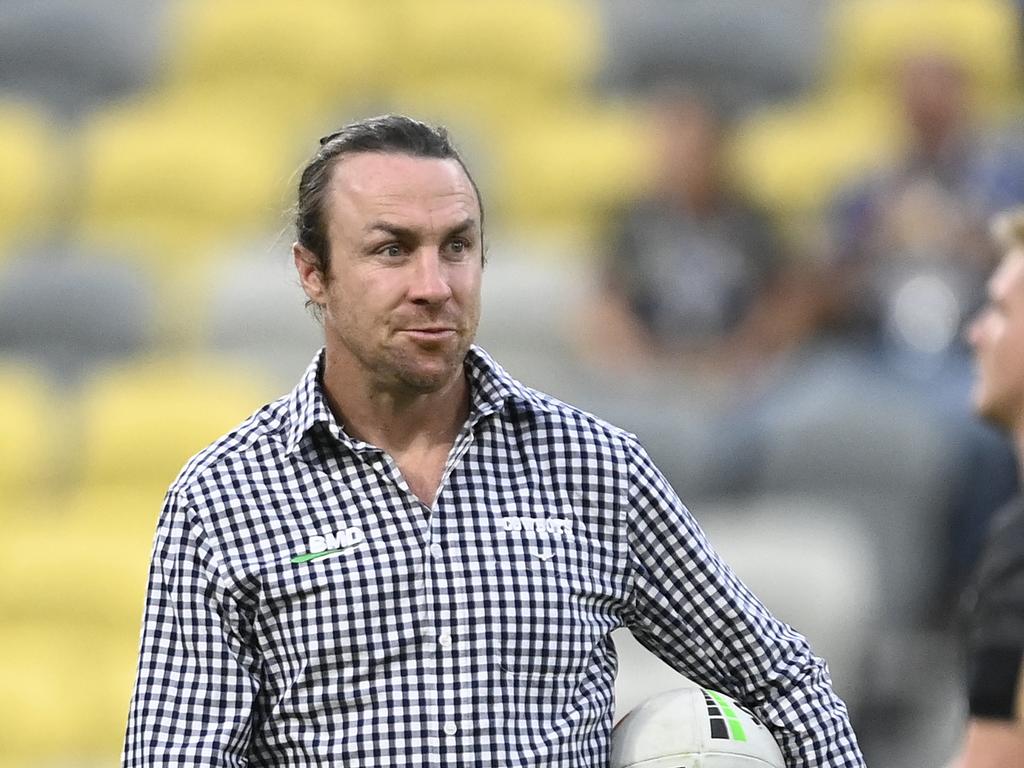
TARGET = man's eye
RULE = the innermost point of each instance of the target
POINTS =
(458, 246)
(394, 250)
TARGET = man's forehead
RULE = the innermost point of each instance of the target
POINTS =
(383, 176)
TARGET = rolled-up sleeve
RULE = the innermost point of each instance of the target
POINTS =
(692, 611)
(198, 676)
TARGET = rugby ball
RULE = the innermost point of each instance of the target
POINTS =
(693, 728)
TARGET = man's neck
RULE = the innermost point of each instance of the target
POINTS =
(394, 418)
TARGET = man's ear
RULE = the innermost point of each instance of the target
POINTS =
(310, 276)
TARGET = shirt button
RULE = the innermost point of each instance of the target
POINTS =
(450, 729)
(445, 640)
(436, 550)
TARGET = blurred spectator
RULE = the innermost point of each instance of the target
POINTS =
(695, 276)
(911, 257)
(911, 254)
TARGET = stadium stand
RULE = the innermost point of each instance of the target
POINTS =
(869, 39)
(302, 59)
(30, 151)
(142, 421)
(70, 56)
(152, 146)
(28, 443)
(71, 311)
(792, 158)
(251, 310)
(170, 176)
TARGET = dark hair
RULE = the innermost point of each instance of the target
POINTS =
(388, 134)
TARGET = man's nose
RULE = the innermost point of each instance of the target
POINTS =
(429, 282)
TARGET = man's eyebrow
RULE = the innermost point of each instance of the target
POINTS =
(469, 224)
(388, 228)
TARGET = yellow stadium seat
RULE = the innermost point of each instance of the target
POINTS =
(140, 423)
(64, 692)
(792, 159)
(30, 156)
(171, 177)
(299, 57)
(870, 39)
(478, 104)
(549, 43)
(28, 436)
(81, 558)
(72, 585)
(572, 167)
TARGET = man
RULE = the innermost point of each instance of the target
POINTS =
(412, 559)
(995, 642)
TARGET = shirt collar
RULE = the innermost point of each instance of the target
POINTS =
(491, 389)
(307, 405)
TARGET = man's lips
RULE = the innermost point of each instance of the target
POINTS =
(430, 333)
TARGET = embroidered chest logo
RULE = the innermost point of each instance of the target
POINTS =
(341, 542)
(542, 529)
(541, 526)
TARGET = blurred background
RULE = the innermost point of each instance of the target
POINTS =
(750, 232)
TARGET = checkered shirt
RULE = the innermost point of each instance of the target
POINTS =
(304, 608)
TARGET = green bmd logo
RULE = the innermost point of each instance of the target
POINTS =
(341, 542)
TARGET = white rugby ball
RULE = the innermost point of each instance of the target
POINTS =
(693, 728)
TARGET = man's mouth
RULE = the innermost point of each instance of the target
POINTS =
(430, 333)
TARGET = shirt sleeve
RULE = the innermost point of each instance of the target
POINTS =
(197, 678)
(995, 640)
(692, 611)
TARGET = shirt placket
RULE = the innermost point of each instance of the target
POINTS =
(446, 642)
(449, 640)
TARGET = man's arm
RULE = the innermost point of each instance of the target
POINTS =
(693, 612)
(197, 677)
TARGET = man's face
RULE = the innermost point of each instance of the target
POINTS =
(401, 301)
(997, 336)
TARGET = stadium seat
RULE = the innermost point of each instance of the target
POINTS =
(72, 583)
(791, 159)
(95, 545)
(820, 573)
(253, 311)
(733, 52)
(817, 573)
(870, 444)
(141, 422)
(300, 58)
(172, 176)
(557, 45)
(72, 55)
(28, 439)
(64, 692)
(562, 169)
(68, 310)
(869, 39)
(30, 154)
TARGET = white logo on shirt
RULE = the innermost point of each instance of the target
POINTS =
(542, 526)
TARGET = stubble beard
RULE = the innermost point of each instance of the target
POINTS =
(414, 377)
(416, 371)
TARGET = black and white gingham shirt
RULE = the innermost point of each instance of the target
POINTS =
(305, 609)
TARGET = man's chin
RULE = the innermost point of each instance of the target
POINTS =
(426, 376)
